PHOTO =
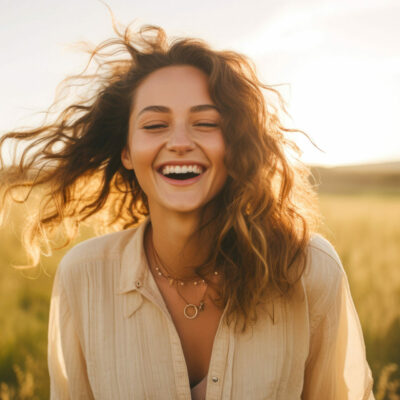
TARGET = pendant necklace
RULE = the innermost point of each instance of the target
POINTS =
(190, 310)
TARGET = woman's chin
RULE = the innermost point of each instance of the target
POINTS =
(180, 205)
(183, 208)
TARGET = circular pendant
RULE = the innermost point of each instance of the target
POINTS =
(190, 311)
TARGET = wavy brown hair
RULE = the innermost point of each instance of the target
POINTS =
(265, 212)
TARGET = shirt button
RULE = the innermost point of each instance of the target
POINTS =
(138, 284)
(215, 379)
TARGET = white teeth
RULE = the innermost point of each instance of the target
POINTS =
(181, 169)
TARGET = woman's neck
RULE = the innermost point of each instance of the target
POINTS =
(178, 243)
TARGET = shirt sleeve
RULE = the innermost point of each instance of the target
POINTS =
(66, 362)
(337, 367)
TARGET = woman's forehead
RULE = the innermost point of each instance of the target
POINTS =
(173, 86)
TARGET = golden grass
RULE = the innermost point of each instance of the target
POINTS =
(366, 234)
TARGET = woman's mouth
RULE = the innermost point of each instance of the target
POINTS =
(182, 173)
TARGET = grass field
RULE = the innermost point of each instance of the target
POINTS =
(365, 230)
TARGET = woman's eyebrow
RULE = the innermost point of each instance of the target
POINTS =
(163, 109)
(160, 109)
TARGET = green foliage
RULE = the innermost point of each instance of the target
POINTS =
(364, 229)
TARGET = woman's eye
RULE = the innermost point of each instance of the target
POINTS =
(155, 126)
(206, 124)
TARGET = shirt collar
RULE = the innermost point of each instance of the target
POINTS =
(134, 269)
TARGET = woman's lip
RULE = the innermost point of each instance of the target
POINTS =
(181, 162)
(181, 182)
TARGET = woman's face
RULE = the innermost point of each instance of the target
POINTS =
(175, 144)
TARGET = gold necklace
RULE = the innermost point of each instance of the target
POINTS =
(190, 310)
(172, 280)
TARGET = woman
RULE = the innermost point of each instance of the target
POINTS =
(218, 289)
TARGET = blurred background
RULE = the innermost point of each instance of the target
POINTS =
(337, 64)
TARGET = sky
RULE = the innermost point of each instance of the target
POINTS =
(337, 62)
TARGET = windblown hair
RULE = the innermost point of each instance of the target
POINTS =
(265, 211)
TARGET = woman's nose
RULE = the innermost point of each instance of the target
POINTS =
(180, 141)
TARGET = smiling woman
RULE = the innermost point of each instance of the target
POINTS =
(173, 137)
(215, 285)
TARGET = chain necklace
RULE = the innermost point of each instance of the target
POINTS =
(175, 281)
(190, 310)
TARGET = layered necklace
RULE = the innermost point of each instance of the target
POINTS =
(191, 310)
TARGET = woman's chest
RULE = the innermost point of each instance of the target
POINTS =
(144, 354)
(196, 319)
(197, 337)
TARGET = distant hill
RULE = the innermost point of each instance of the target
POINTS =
(364, 178)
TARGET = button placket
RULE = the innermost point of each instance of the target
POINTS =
(218, 364)
(152, 293)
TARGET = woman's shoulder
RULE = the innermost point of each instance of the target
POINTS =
(108, 245)
(95, 254)
(324, 273)
(322, 257)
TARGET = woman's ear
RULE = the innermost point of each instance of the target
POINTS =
(126, 158)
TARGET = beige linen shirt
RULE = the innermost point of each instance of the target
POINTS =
(112, 337)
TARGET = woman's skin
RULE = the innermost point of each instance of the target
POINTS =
(174, 121)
